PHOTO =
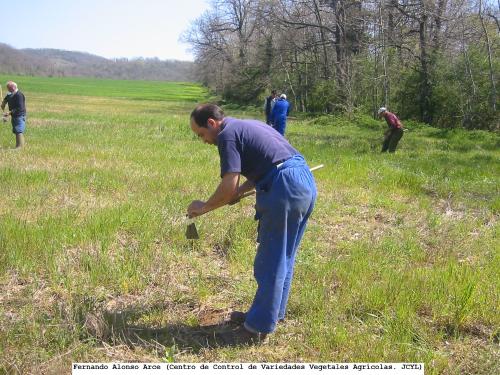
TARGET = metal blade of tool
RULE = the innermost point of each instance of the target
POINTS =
(192, 232)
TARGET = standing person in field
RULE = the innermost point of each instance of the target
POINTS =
(280, 112)
(285, 198)
(17, 111)
(395, 131)
(268, 107)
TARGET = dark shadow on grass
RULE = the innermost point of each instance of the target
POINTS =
(114, 328)
(185, 338)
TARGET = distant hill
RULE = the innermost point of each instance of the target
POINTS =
(60, 63)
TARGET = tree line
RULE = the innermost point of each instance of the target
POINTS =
(60, 63)
(430, 60)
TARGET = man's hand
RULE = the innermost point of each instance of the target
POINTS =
(195, 209)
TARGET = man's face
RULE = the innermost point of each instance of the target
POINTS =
(208, 134)
(11, 88)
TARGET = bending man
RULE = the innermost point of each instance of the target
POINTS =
(286, 193)
(395, 131)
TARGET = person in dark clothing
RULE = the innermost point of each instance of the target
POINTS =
(285, 197)
(17, 111)
(268, 107)
(395, 131)
(280, 112)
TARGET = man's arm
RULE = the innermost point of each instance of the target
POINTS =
(226, 192)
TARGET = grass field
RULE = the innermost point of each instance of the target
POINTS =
(108, 88)
(400, 262)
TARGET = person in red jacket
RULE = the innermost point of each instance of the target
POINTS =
(395, 131)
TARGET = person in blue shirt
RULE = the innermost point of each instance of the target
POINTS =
(280, 112)
(285, 197)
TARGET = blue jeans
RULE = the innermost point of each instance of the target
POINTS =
(285, 200)
(18, 124)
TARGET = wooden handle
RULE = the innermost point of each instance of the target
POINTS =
(317, 167)
(252, 192)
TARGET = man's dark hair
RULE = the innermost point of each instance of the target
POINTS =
(273, 92)
(203, 112)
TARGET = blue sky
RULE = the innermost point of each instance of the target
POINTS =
(108, 28)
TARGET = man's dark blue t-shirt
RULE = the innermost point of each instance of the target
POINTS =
(251, 148)
(17, 104)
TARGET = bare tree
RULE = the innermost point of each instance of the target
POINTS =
(336, 55)
(493, 93)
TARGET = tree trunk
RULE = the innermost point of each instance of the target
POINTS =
(384, 62)
(326, 63)
(340, 50)
(493, 92)
(425, 81)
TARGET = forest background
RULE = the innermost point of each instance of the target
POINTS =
(431, 61)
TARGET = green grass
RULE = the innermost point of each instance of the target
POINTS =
(399, 264)
(108, 88)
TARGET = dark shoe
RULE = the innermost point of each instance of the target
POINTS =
(238, 317)
(242, 336)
